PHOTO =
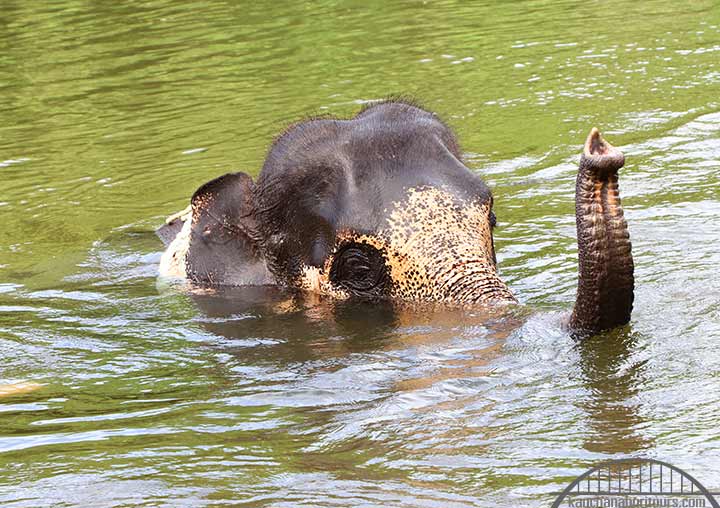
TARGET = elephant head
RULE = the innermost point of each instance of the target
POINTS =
(380, 206)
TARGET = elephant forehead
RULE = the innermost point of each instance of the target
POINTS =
(428, 212)
(425, 216)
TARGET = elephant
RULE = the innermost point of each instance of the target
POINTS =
(382, 207)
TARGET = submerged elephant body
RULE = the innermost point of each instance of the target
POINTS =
(382, 206)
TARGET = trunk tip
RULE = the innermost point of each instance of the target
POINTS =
(595, 144)
(600, 154)
(594, 133)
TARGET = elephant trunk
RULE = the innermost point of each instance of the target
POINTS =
(605, 278)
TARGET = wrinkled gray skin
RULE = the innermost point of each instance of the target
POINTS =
(605, 279)
(381, 206)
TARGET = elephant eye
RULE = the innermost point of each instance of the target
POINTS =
(359, 268)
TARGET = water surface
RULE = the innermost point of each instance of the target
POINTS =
(112, 115)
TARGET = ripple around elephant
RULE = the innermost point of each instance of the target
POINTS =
(381, 206)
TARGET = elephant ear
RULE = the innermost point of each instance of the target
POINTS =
(224, 244)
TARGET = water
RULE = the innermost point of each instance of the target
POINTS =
(113, 114)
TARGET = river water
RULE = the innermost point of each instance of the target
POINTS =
(112, 114)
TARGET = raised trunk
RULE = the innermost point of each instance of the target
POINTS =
(605, 278)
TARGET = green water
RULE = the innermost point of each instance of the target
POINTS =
(112, 114)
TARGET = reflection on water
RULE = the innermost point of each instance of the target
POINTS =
(113, 115)
(613, 383)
